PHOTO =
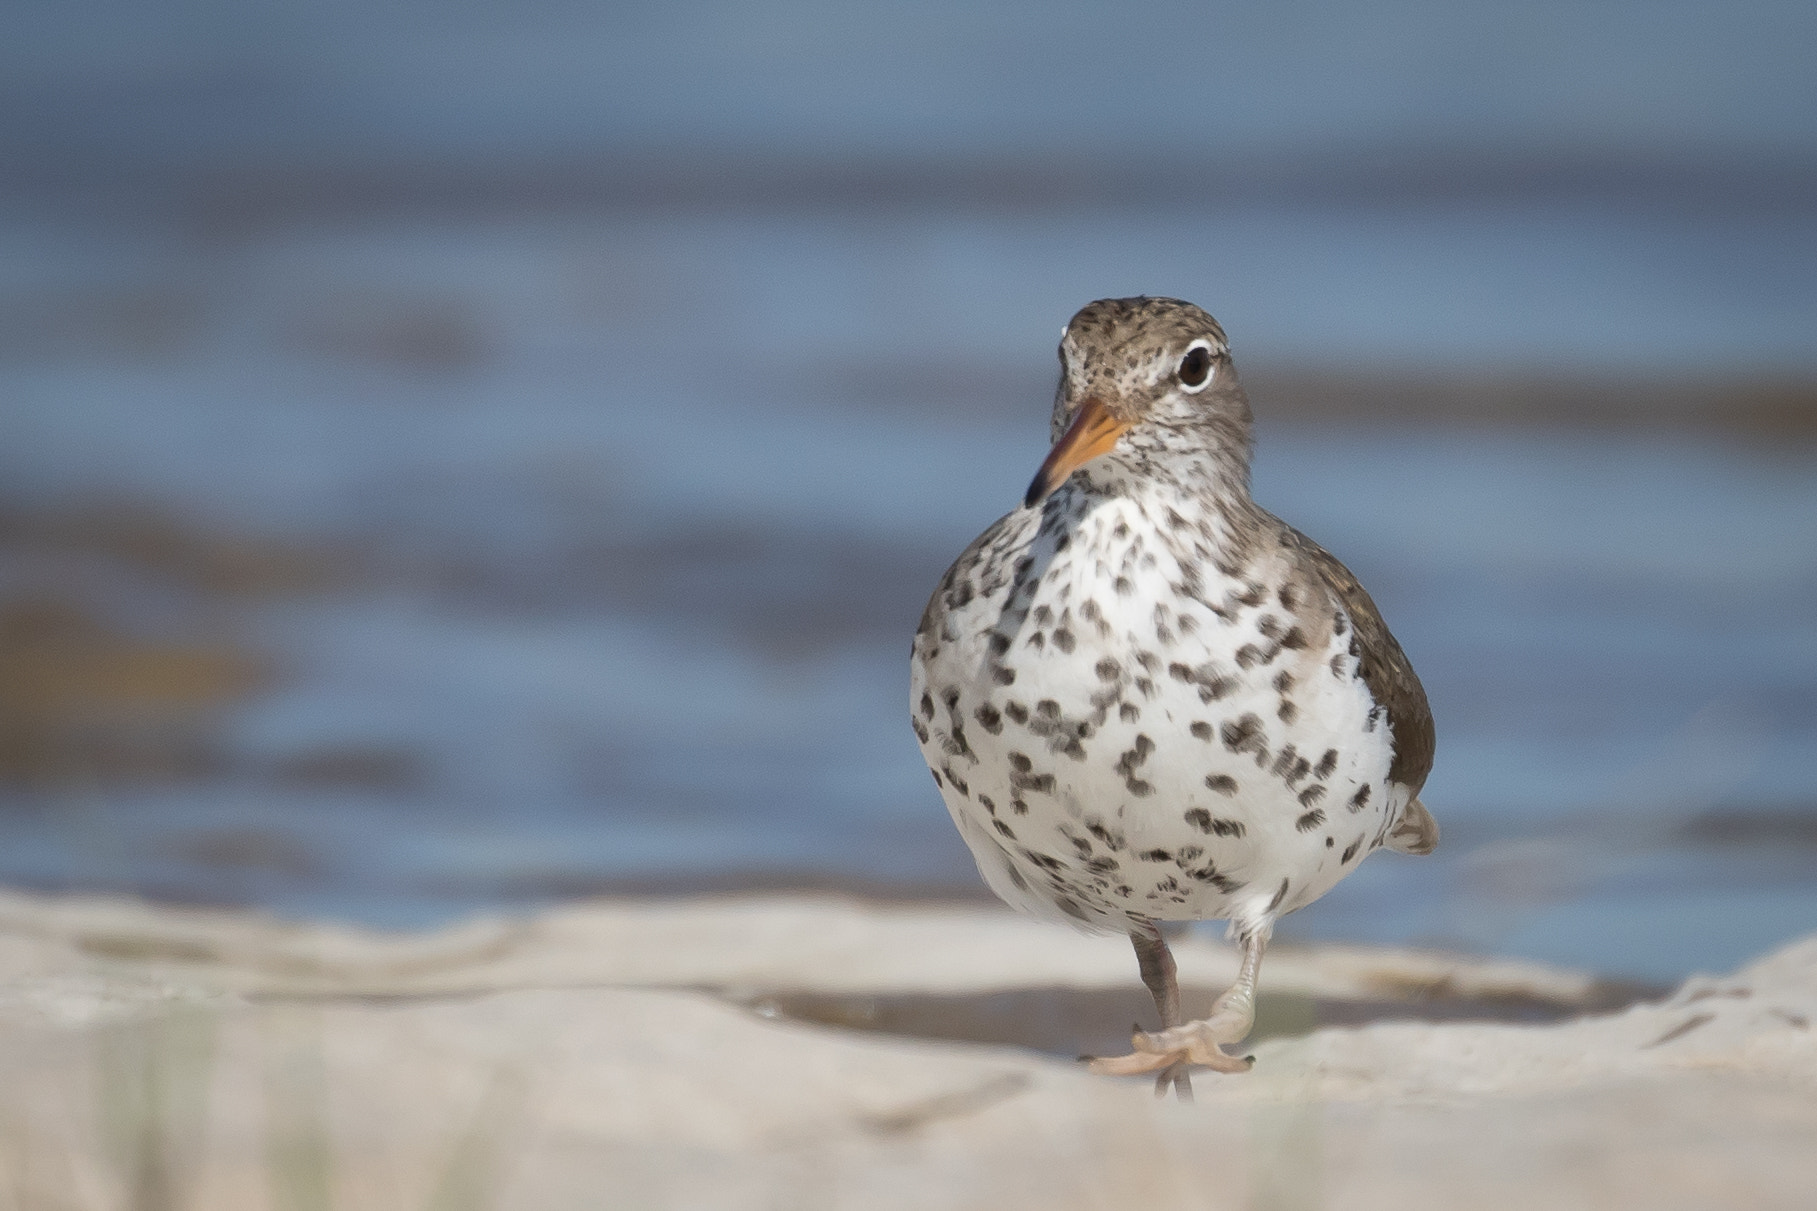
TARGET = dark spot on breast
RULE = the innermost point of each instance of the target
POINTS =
(1016, 711)
(1241, 734)
(1003, 675)
(1227, 828)
(1146, 686)
(1224, 784)
(1047, 708)
(1252, 594)
(1114, 840)
(1311, 795)
(1310, 820)
(1037, 641)
(1350, 850)
(1339, 625)
(1004, 829)
(1102, 866)
(1072, 748)
(1283, 682)
(1294, 639)
(1330, 843)
(1063, 639)
(1136, 755)
(1129, 712)
(927, 706)
(1213, 688)
(1201, 729)
(1090, 612)
(999, 643)
(1199, 818)
(1288, 712)
(956, 744)
(988, 803)
(950, 696)
(1015, 876)
(1042, 783)
(1123, 586)
(989, 718)
(921, 732)
(1289, 597)
(1268, 625)
(1155, 855)
(1139, 788)
(1020, 763)
(955, 781)
(1248, 656)
(1042, 616)
(936, 774)
(1360, 800)
(1327, 764)
(1020, 808)
(1108, 669)
(1337, 665)
(1279, 896)
(1176, 670)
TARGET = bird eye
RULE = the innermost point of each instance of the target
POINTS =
(1195, 368)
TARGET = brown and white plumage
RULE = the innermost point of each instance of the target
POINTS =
(1146, 699)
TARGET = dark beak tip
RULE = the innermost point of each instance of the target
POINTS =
(1037, 490)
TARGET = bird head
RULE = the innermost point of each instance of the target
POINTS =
(1141, 377)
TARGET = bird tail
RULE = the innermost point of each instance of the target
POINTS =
(1417, 832)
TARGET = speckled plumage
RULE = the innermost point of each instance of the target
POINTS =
(1145, 698)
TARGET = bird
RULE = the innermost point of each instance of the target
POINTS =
(1145, 699)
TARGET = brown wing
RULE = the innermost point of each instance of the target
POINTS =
(1385, 668)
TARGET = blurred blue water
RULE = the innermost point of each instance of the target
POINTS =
(635, 503)
(635, 591)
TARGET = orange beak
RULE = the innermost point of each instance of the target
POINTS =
(1093, 432)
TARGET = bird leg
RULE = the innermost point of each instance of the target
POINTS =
(1158, 972)
(1200, 1042)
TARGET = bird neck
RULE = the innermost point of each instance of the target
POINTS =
(1190, 471)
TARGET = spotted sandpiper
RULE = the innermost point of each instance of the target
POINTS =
(1145, 699)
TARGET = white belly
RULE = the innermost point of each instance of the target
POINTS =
(1184, 760)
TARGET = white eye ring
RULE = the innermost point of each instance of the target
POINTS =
(1211, 367)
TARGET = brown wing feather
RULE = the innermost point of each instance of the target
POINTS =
(1385, 668)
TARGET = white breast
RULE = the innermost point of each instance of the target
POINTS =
(1114, 750)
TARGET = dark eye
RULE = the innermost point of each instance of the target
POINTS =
(1195, 367)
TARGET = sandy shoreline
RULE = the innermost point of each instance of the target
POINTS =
(640, 1054)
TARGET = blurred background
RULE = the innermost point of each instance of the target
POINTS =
(459, 456)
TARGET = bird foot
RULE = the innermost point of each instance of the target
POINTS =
(1193, 1043)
